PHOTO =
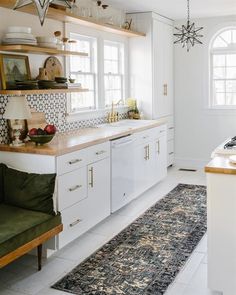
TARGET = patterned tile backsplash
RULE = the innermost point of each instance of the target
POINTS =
(54, 107)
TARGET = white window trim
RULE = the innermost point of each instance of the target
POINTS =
(120, 73)
(211, 51)
(101, 37)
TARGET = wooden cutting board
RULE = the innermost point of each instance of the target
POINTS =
(38, 120)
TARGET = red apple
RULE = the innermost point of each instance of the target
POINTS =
(50, 129)
(33, 131)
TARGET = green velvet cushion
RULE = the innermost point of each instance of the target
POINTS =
(29, 190)
(19, 226)
(3, 168)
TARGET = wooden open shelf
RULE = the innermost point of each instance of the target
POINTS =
(42, 91)
(64, 16)
(39, 50)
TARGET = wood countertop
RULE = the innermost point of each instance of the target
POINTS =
(221, 165)
(64, 143)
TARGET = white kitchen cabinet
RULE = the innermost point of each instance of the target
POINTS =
(160, 158)
(151, 69)
(150, 158)
(99, 191)
(151, 65)
(83, 193)
(72, 188)
(142, 168)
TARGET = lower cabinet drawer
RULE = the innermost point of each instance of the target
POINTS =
(75, 222)
(72, 188)
(98, 152)
(170, 133)
(170, 152)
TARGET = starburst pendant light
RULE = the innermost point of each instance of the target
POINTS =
(41, 6)
(188, 35)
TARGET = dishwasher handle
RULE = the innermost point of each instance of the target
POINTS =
(122, 144)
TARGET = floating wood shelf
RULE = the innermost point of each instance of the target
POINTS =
(67, 17)
(38, 50)
(42, 91)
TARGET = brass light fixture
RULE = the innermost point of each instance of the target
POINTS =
(41, 6)
(188, 35)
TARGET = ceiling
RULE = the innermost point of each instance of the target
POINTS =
(176, 9)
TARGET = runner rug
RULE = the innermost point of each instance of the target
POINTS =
(146, 256)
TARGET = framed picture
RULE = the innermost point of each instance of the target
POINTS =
(12, 68)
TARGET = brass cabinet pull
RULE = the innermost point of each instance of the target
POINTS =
(146, 152)
(75, 188)
(75, 222)
(158, 147)
(75, 161)
(172, 153)
(148, 148)
(165, 89)
(91, 183)
(100, 153)
(171, 128)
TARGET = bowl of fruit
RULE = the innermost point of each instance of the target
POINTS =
(41, 136)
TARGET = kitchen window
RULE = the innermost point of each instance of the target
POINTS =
(113, 73)
(223, 69)
(83, 69)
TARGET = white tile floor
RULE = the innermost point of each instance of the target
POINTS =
(22, 277)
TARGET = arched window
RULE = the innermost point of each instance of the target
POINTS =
(223, 69)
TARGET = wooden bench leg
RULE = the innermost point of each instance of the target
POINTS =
(40, 247)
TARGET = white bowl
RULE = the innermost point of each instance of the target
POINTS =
(46, 39)
(14, 29)
(47, 45)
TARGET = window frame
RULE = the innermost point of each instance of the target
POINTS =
(100, 37)
(121, 66)
(93, 73)
(212, 53)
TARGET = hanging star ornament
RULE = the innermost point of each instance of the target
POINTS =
(188, 35)
(41, 6)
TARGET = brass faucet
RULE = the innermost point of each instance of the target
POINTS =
(112, 115)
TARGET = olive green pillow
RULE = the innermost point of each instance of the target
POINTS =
(29, 190)
(3, 168)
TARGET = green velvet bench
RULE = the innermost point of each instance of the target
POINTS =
(27, 217)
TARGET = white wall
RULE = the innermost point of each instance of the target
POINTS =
(198, 129)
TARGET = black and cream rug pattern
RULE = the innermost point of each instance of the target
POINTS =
(146, 256)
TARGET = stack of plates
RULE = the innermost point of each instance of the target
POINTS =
(27, 84)
(19, 35)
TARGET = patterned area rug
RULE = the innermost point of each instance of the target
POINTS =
(146, 256)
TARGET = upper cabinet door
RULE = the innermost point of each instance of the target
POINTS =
(162, 69)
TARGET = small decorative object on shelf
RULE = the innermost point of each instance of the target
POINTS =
(127, 24)
(13, 68)
(188, 35)
(16, 113)
(42, 74)
(53, 67)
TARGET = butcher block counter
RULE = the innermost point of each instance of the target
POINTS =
(221, 165)
(221, 224)
(64, 143)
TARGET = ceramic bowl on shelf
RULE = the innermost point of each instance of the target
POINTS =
(61, 79)
(47, 45)
(41, 139)
(46, 39)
